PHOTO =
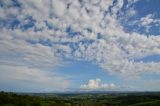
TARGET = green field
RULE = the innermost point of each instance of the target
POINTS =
(80, 99)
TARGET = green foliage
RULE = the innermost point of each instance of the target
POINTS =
(12, 99)
(152, 103)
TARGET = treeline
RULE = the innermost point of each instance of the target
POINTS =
(12, 99)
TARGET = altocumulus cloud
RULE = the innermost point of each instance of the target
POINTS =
(39, 34)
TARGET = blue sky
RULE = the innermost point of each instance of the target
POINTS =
(68, 45)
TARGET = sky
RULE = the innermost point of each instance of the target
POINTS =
(79, 45)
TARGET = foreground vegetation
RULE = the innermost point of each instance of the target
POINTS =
(99, 99)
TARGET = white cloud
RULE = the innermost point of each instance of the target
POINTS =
(147, 22)
(131, 12)
(113, 49)
(147, 19)
(20, 51)
(146, 84)
(30, 78)
(96, 84)
(131, 2)
(29, 66)
(58, 8)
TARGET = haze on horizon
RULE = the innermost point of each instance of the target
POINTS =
(79, 45)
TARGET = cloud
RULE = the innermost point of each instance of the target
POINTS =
(20, 51)
(58, 8)
(40, 34)
(29, 66)
(95, 84)
(30, 79)
(148, 21)
(131, 2)
(144, 84)
(131, 12)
